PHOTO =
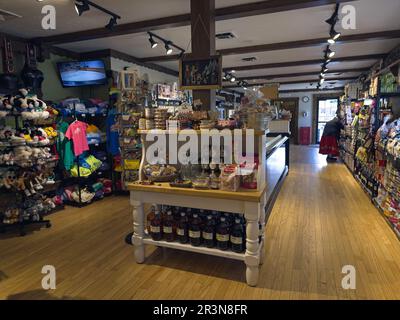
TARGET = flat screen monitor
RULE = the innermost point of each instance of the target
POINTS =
(82, 73)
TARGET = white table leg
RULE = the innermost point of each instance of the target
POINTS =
(138, 230)
(252, 255)
(262, 222)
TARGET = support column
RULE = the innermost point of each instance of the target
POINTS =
(203, 42)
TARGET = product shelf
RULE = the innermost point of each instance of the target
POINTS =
(201, 249)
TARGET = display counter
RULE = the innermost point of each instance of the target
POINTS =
(255, 205)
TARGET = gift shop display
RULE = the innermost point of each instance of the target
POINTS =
(82, 146)
(370, 143)
(29, 177)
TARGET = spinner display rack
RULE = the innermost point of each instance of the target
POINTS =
(13, 197)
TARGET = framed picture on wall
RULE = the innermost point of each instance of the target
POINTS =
(200, 73)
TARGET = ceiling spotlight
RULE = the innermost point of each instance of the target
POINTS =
(233, 71)
(81, 6)
(329, 53)
(233, 79)
(324, 69)
(167, 47)
(321, 81)
(334, 35)
(153, 43)
(113, 22)
(322, 74)
(328, 61)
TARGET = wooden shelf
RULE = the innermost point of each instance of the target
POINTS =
(191, 131)
(164, 187)
(201, 249)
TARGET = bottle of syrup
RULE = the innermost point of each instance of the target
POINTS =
(182, 229)
(156, 227)
(150, 217)
(237, 236)
(168, 224)
(222, 234)
(208, 233)
(195, 231)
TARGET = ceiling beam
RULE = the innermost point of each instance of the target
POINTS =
(301, 74)
(221, 14)
(312, 90)
(128, 58)
(292, 82)
(383, 35)
(305, 62)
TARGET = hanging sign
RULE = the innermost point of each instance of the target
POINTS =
(200, 73)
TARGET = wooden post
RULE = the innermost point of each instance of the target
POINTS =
(203, 42)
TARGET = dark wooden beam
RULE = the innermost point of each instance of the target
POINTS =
(312, 90)
(221, 14)
(305, 62)
(128, 58)
(301, 74)
(384, 35)
(292, 82)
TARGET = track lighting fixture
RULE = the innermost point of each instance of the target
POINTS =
(324, 69)
(168, 49)
(334, 35)
(153, 43)
(321, 80)
(233, 79)
(329, 53)
(81, 6)
(335, 16)
(322, 74)
(113, 22)
(168, 45)
(84, 5)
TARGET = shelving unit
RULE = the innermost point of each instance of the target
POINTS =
(255, 205)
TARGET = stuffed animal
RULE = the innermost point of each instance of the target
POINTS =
(9, 178)
(11, 216)
(20, 100)
(23, 153)
(6, 102)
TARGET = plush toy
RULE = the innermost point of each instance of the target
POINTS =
(23, 153)
(11, 216)
(6, 102)
(20, 101)
(9, 178)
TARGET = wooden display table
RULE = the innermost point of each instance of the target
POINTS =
(251, 203)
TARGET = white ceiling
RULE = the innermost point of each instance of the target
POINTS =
(371, 15)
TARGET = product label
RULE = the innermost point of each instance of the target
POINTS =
(222, 237)
(236, 240)
(208, 236)
(194, 234)
(180, 232)
(155, 229)
(167, 229)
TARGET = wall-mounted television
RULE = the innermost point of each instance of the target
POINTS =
(82, 73)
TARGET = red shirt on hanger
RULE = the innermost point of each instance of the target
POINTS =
(77, 133)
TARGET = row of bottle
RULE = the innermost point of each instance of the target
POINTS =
(197, 227)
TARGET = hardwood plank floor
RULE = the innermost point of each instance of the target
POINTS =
(322, 220)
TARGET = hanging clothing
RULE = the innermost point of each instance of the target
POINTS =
(77, 133)
(112, 135)
(64, 146)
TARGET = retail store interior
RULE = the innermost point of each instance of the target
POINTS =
(185, 149)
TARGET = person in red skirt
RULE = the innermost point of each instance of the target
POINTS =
(329, 142)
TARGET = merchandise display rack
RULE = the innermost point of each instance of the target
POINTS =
(18, 197)
(82, 181)
(255, 205)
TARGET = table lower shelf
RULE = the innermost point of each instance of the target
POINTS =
(201, 249)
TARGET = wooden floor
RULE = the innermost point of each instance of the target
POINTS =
(322, 220)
